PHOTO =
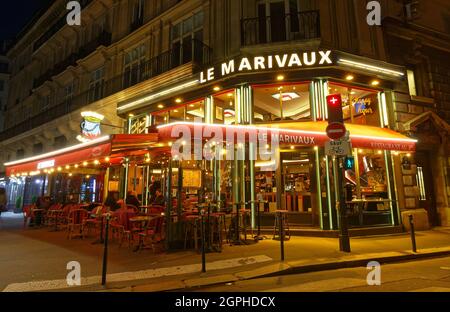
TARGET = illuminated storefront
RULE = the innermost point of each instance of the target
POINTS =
(276, 92)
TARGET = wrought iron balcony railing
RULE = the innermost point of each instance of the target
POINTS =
(104, 39)
(268, 29)
(195, 51)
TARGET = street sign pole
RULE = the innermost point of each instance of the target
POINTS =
(344, 239)
(339, 147)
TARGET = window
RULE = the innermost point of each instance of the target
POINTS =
(364, 108)
(224, 104)
(193, 111)
(421, 183)
(96, 85)
(45, 103)
(60, 141)
(68, 94)
(3, 67)
(138, 13)
(134, 66)
(411, 82)
(187, 40)
(37, 149)
(20, 153)
(282, 102)
(138, 125)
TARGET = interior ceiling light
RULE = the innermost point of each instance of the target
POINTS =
(286, 96)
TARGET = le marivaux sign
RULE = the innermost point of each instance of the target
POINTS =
(278, 61)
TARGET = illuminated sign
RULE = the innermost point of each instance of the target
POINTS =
(256, 63)
(46, 164)
(90, 126)
(362, 106)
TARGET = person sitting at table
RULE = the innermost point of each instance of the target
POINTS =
(159, 198)
(132, 199)
(111, 203)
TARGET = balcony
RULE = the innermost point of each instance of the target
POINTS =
(192, 51)
(104, 39)
(195, 51)
(137, 23)
(263, 30)
(56, 27)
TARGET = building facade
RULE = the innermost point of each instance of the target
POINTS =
(4, 82)
(146, 65)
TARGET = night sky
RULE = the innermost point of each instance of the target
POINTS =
(15, 14)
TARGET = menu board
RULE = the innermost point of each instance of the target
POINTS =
(192, 178)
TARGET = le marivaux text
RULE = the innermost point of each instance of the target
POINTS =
(268, 62)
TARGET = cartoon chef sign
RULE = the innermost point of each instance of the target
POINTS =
(90, 126)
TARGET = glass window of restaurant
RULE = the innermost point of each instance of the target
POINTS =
(281, 103)
(191, 111)
(369, 177)
(295, 178)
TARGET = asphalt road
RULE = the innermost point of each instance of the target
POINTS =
(432, 275)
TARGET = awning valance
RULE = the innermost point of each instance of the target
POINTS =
(117, 145)
(307, 133)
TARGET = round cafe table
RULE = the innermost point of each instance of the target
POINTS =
(141, 221)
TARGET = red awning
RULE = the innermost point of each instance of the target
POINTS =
(118, 145)
(307, 133)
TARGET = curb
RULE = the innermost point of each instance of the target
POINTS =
(296, 267)
(275, 268)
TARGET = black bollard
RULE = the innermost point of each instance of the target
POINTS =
(281, 235)
(203, 244)
(105, 251)
(413, 233)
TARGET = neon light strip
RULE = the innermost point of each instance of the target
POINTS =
(159, 94)
(244, 127)
(61, 151)
(371, 67)
(239, 127)
(382, 138)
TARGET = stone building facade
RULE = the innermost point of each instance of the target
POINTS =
(126, 49)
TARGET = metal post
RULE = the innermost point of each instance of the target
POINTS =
(105, 251)
(280, 219)
(413, 233)
(344, 239)
(203, 243)
(238, 217)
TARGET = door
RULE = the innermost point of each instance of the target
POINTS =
(277, 21)
(427, 198)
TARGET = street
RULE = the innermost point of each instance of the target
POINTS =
(431, 275)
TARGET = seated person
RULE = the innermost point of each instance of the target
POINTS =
(159, 198)
(111, 203)
(132, 199)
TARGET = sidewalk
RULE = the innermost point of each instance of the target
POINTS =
(36, 259)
